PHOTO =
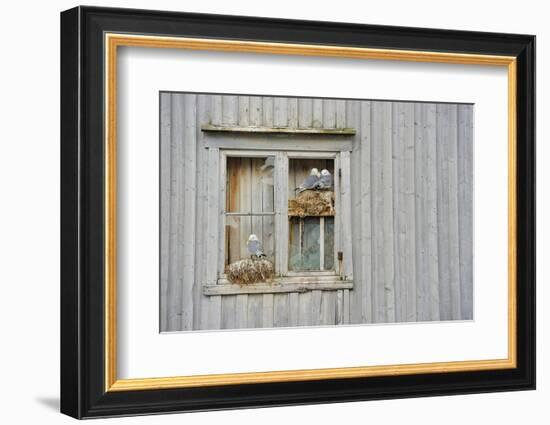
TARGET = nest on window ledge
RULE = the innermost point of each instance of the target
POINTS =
(248, 271)
(318, 203)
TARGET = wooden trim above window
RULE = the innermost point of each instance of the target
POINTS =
(261, 145)
(344, 131)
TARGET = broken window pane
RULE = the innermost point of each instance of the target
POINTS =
(311, 215)
(309, 248)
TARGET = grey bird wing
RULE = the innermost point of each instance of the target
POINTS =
(309, 182)
(260, 250)
(250, 245)
(255, 248)
(326, 182)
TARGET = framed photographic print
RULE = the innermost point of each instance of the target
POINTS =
(261, 212)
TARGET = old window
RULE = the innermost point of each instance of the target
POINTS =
(283, 209)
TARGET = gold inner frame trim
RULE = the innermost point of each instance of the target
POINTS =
(113, 41)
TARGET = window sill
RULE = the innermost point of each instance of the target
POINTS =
(283, 285)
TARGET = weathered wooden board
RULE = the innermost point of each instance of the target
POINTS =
(427, 257)
(215, 109)
(382, 214)
(255, 111)
(267, 198)
(228, 313)
(305, 113)
(292, 113)
(465, 154)
(203, 115)
(267, 310)
(339, 308)
(328, 308)
(176, 212)
(404, 197)
(341, 114)
(347, 307)
(316, 312)
(230, 110)
(317, 113)
(291, 285)
(165, 213)
(363, 304)
(294, 142)
(345, 214)
(211, 312)
(280, 199)
(293, 308)
(305, 317)
(241, 311)
(329, 113)
(214, 312)
(448, 238)
(244, 111)
(188, 230)
(245, 128)
(254, 311)
(267, 115)
(281, 310)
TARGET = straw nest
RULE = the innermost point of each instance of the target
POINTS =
(248, 271)
(312, 203)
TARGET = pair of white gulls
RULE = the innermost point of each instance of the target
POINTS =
(315, 180)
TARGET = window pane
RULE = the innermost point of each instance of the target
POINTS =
(249, 207)
(329, 243)
(304, 252)
(238, 230)
(305, 244)
(249, 185)
(311, 214)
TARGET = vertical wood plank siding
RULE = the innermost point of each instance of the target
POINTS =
(409, 180)
(465, 156)
(165, 202)
(427, 254)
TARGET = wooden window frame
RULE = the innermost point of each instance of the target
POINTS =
(288, 281)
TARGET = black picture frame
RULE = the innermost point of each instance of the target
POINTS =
(83, 392)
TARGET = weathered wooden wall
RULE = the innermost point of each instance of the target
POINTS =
(411, 215)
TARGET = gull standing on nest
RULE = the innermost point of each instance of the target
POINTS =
(325, 182)
(254, 246)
